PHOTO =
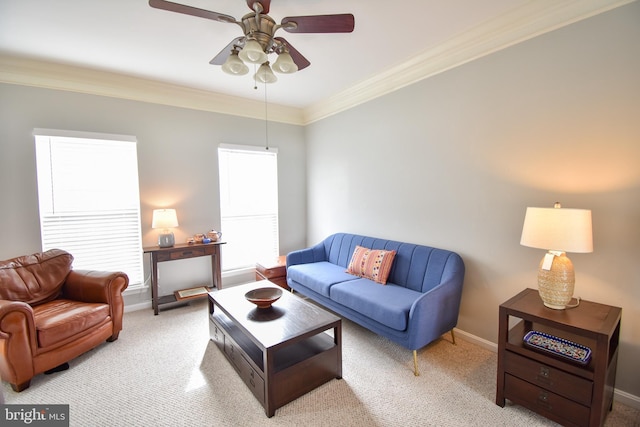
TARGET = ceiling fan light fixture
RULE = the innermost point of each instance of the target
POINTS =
(265, 75)
(284, 64)
(252, 52)
(234, 66)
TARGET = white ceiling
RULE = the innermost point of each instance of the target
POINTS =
(131, 38)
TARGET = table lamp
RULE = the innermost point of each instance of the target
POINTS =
(559, 231)
(165, 219)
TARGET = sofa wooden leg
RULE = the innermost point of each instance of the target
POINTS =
(19, 387)
(415, 363)
(453, 338)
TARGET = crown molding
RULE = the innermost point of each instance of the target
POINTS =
(536, 17)
(30, 72)
(517, 25)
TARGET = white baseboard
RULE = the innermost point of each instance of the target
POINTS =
(618, 395)
(135, 307)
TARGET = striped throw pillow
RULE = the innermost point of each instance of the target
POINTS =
(374, 264)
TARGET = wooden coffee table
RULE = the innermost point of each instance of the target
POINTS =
(281, 352)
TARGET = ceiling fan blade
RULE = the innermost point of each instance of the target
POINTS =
(221, 57)
(342, 23)
(265, 5)
(297, 57)
(189, 10)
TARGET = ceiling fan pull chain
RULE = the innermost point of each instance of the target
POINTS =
(266, 118)
(255, 82)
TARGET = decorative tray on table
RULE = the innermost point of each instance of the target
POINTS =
(558, 346)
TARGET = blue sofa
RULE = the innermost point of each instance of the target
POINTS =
(418, 304)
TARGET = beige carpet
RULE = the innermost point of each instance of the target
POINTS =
(164, 371)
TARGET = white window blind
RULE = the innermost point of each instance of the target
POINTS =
(89, 200)
(248, 205)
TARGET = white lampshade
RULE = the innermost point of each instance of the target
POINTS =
(164, 218)
(284, 64)
(265, 75)
(558, 229)
(233, 65)
(252, 52)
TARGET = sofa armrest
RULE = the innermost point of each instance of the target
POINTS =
(435, 313)
(308, 255)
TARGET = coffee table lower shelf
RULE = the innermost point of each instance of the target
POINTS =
(281, 374)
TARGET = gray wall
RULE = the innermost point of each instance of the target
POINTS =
(453, 162)
(177, 161)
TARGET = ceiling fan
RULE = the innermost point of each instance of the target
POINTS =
(259, 38)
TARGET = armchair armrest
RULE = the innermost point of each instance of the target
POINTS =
(95, 286)
(16, 316)
(17, 342)
(99, 286)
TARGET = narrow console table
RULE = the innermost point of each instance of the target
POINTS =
(182, 251)
(566, 391)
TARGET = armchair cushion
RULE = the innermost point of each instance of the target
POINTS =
(59, 320)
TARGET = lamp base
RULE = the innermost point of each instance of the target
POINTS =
(556, 284)
(166, 240)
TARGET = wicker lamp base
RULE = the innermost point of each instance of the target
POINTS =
(556, 285)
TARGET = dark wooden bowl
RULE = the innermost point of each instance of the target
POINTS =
(263, 297)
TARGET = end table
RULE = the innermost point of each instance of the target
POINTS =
(562, 390)
(274, 271)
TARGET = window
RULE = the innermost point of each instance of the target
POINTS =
(248, 205)
(89, 200)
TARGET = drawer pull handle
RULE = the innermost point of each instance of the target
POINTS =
(544, 375)
(543, 400)
(187, 253)
(253, 384)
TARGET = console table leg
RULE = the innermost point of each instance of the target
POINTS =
(154, 283)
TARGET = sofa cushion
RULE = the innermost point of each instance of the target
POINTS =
(374, 264)
(318, 276)
(388, 305)
(60, 319)
(36, 278)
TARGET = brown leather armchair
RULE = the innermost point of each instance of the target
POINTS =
(50, 314)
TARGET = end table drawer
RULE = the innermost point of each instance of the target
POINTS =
(549, 378)
(545, 402)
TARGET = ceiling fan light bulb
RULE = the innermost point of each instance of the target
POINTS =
(284, 64)
(252, 52)
(234, 66)
(265, 75)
